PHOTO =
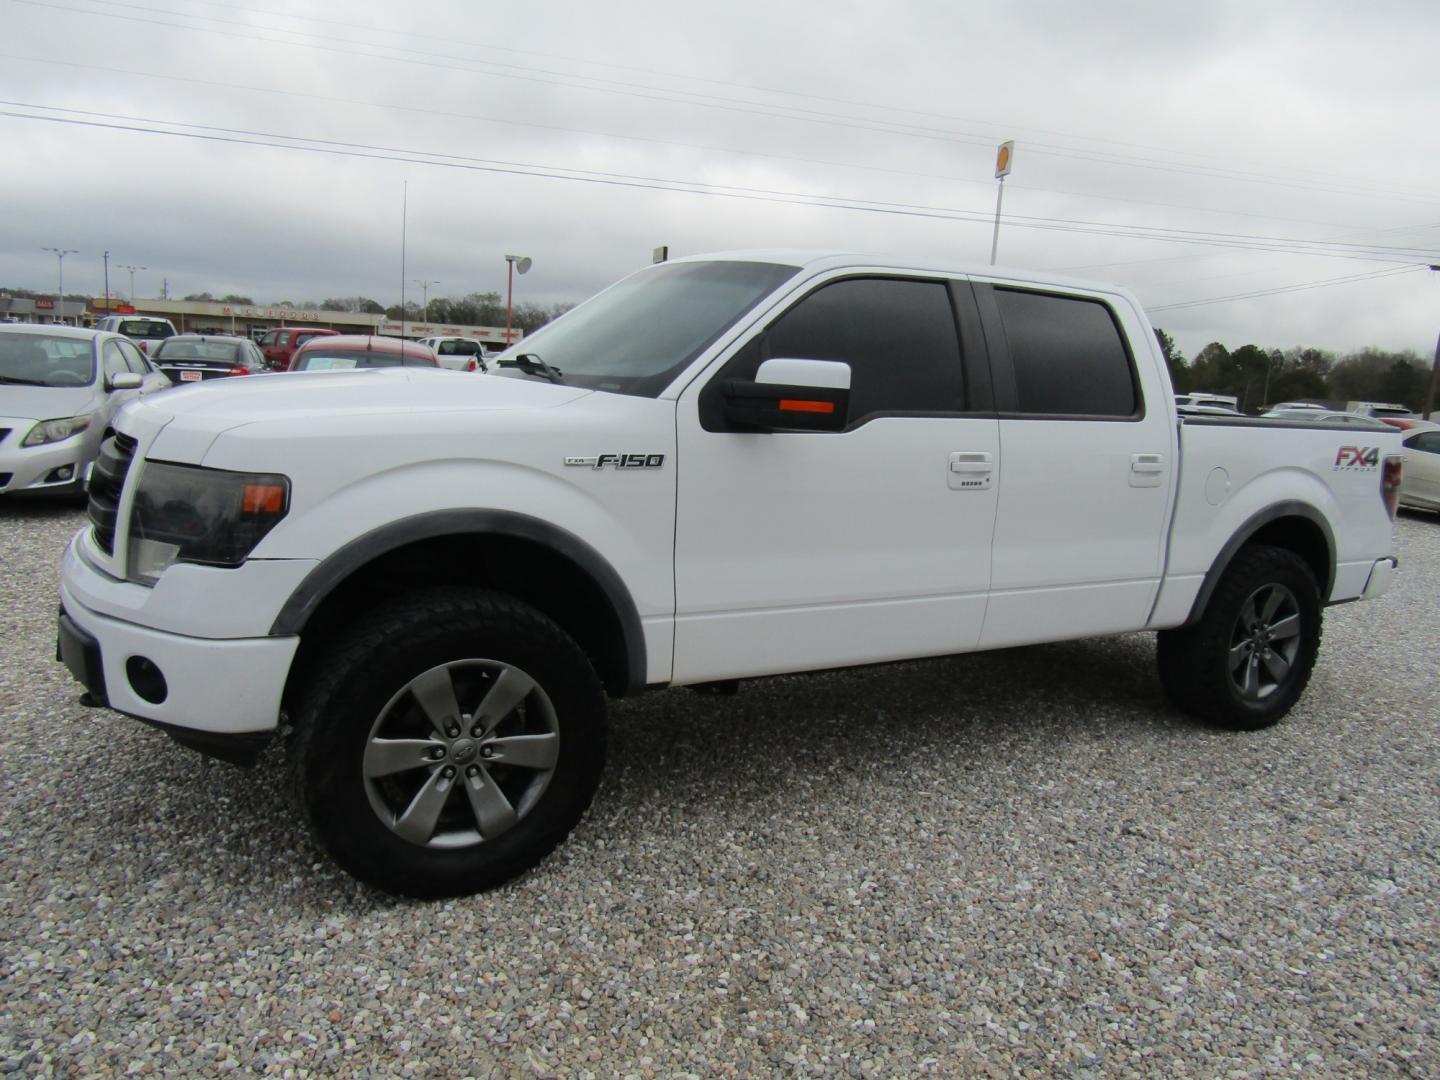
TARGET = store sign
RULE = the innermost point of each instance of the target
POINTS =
(44, 303)
(283, 313)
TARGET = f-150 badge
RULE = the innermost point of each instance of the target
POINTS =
(618, 461)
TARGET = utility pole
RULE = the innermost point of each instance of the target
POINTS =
(404, 225)
(107, 283)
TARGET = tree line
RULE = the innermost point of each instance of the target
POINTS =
(1260, 377)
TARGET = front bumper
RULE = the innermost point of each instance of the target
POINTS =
(228, 687)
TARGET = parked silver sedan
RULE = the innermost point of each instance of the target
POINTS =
(59, 388)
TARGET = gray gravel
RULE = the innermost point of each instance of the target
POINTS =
(1012, 864)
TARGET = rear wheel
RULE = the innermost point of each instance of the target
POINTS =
(449, 743)
(1244, 664)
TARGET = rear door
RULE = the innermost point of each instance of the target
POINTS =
(799, 550)
(1088, 465)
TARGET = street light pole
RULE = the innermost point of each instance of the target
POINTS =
(517, 264)
(107, 283)
(132, 270)
(425, 297)
(60, 254)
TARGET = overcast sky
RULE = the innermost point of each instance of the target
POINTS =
(1300, 139)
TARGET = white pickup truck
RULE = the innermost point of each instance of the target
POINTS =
(718, 469)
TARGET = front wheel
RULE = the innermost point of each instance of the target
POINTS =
(448, 743)
(1244, 664)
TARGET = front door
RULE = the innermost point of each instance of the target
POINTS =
(803, 550)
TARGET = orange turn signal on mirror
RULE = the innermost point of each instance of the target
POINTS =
(263, 499)
(792, 405)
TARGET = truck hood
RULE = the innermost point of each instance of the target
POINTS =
(194, 416)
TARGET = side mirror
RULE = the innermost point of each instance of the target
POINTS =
(125, 380)
(791, 395)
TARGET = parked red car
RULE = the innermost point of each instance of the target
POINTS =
(280, 345)
(345, 352)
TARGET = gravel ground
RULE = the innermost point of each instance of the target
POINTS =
(1016, 864)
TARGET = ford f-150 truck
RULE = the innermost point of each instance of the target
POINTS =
(719, 468)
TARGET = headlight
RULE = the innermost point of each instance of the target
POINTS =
(183, 513)
(48, 431)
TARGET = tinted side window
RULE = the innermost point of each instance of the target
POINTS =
(1428, 441)
(1068, 356)
(898, 336)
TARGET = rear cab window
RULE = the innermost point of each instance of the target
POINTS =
(1068, 358)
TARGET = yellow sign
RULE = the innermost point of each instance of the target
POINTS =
(1004, 155)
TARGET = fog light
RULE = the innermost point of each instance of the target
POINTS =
(146, 680)
(60, 475)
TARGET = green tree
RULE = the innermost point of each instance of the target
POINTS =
(201, 297)
(1174, 361)
(235, 298)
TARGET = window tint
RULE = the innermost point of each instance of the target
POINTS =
(1428, 441)
(898, 336)
(1068, 356)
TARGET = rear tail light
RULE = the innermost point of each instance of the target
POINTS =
(238, 370)
(1390, 484)
(145, 347)
(470, 366)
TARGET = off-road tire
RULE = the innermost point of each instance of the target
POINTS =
(368, 669)
(1197, 661)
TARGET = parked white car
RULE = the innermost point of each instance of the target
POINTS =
(1420, 481)
(721, 468)
(60, 388)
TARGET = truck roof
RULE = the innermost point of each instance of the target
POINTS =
(821, 259)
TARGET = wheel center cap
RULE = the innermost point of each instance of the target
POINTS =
(462, 751)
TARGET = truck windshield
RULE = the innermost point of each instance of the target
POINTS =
(637, 335)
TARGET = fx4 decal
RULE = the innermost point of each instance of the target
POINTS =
(1357, 457)
(618, 461)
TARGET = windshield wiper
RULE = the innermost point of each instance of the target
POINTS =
(531, 364)
(21, 382)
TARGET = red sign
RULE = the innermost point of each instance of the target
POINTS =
(44, 303)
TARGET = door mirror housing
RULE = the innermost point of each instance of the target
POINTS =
(791, 395)
(125, 380)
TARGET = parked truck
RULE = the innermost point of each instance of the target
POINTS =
(720, 468)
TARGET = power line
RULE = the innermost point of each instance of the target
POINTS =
(432, 61)
(1006, 126)
(1302, 287)
(987, 184)
(389, 153)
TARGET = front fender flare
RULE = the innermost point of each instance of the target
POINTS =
(335, 568)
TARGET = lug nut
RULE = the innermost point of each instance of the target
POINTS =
(437, 752)
(487, 751)
(473, 770)
(449, 771)
(452, 731)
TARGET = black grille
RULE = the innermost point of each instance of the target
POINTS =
(3, 432)
(4, 479)
(107, 480)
